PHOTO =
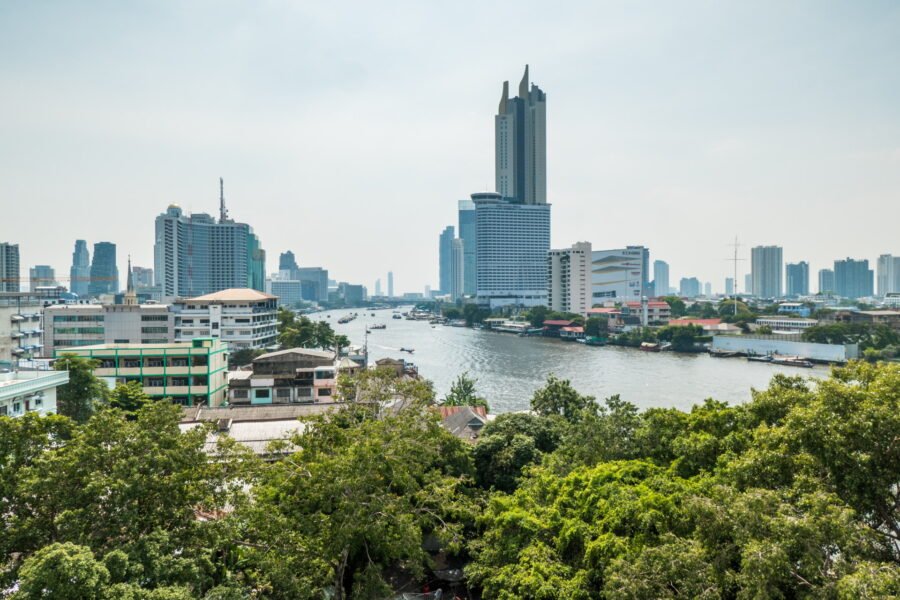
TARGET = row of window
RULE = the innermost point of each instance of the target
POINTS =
(77, 318)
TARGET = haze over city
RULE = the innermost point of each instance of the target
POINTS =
(347, 137)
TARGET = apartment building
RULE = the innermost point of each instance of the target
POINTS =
(242, 317)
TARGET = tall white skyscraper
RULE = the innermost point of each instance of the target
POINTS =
(660, 278)
(512, 244)
(390, 289)
(378, 287)
(766, 267)
(520, 136)
(888, 274)
(457, 269)
(570, 279)
(729, 286)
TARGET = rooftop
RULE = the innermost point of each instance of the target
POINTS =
(233, 295)
(301, 351)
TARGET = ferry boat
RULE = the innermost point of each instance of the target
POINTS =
(408, 350)
(378, 326)
(792, 361)
(649, 347)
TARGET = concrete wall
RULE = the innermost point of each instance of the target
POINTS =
(771, 345)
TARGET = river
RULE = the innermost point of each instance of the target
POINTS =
(508, 368)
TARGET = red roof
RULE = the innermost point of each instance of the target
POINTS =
(574, 329)
(604, 311)
(700, 322)
(651, 304)
(558, 322)
(446, 411)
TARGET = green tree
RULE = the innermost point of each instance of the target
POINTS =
(244, 356)
(463, 393)
(558, 397)
(77, 398)
(597, 326)
(358, 498)
(676, 305)
(512, 442)
(537, 315)
(128, 397)
(63, 571)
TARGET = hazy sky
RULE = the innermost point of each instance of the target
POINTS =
(346, 132)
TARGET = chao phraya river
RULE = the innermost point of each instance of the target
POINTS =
(510, 368)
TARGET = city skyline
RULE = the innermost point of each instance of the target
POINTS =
(745, 130)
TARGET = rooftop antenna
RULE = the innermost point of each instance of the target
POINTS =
(223, 212)
(735, 261)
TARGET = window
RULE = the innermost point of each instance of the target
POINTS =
(325, 392)
(240, 394)
(154, 329)
(262, 393)
(17, 406)
(214, 325)
(283, 392)
(154, 317)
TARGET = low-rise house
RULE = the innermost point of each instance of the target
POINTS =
(891, 318)
(296, 375)
(797, 309)
(573, 332)
(30, 391)
(401, 367)
(786, 323)
(465, 422)
(658, 311)
(554, 327)
(190, 373)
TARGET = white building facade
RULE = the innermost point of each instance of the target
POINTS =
(242, 317)
(619, 274)
(569, 275)
(30, 391)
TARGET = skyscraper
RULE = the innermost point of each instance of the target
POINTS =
(748, 283)
(80, 273)
(707, 289)
(445, 247)
(521, 145)
(797, 278)
(569, 277)
(689, 287)
(826, 281)
(766, 267)
(9, 267)
(197, 255)
(853, 278)
(660, 278)
(888, 274)
(619, 273)
(729, 286)
(390, 289)
(467, 229)
(40, 276)
(143, 277)
(457, 257)
(287, 262)
(104, 272)
(378, 287)
(512, 244)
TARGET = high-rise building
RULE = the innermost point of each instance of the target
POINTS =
(797, 278)
(457, 266)
(104, 272)
(512, 244)
(80, 272)
(378, 287)
(619, 274)
(689, 287)
(766, 268)
(196, 255)
(143, 277)
(853, 278)
(520, 151)
(467, 230)
(287, 262)
(660, 278)
(390, 289)
(826, 281)
(9, 267)
(41, 276)
(748, 283)
(445, 247)
(729, 286)
(315, 280)
(888, 274)
(570, 279)
(707, 289)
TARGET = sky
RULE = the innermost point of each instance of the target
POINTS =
(346, 132)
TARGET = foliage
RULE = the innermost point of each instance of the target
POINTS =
(726, 308)
(682, 337)
(676, 305)
(359, 497)
(301, 332)
(383, 385)
(473, 314)
(76, 399)
(558, 397)
(463, 393)
(128, 397)
(876, 337)
(597, 326)
(244, 356)
(512, 442)
(538, 314)
(634, 337)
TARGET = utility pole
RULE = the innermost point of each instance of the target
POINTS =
(735, 261)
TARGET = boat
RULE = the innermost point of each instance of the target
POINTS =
(792, 361)
(765, 359)
(373, 314)
(378, 326)
(593, 341)
(649, 347)
(396, 316)
(409, 350)
(722, 353)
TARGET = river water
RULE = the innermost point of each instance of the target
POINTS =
(508, 368)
